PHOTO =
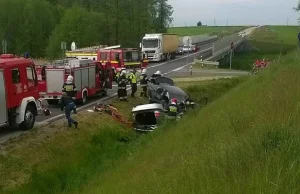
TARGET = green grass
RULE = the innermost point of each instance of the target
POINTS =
(268, 42)
(211, 30)
(248, 141)
(62, 160)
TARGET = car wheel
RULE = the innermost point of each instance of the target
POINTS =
(29, 119)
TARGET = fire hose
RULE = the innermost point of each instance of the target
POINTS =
(116, 115)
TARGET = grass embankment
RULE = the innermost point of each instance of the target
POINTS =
(211, 30)
(58, 159)
(248, 141)
(267, 42)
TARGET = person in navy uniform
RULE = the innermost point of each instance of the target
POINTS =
(70, 89)
(68, 103)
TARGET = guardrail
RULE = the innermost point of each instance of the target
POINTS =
(223, 46)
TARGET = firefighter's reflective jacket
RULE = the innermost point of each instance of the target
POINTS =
(70, 89)
(173, 110)
(143, 80)
(122, 81)
(132, 78)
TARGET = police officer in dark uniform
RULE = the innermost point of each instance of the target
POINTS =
(122, 82)
(143, 83)
(70, 89)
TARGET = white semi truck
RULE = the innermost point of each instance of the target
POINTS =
(157, 46)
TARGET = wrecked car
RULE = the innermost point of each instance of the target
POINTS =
(146, 117)
(163, 90)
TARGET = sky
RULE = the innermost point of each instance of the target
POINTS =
(236, 12)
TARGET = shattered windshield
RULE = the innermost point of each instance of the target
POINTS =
(150, 43)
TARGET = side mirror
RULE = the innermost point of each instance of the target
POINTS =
(140, 45)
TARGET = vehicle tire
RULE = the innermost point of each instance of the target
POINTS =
(84, 98)
(29, 119)
(52, 102)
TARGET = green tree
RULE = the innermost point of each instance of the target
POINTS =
(77, 25)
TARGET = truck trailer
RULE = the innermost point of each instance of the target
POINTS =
(157, 46)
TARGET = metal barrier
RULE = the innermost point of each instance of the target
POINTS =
(224, 44)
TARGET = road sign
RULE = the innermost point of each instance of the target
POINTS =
(63, 46)
(73, 46)
(4, 46)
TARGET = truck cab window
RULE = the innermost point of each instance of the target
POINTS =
(30, 74)
(15, 75)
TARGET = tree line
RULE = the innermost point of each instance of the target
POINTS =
(39, 26)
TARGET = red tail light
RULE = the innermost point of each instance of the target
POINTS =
(157, 114)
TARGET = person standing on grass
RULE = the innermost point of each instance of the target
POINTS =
(122, 82)
(133, 81)
(67, 103)
(144, 83)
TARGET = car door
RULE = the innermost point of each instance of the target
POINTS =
(16, 86)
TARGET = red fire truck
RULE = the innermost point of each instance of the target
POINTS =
(119, 58)
(18, 92)
(90, 78)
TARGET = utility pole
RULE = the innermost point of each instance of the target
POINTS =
(214, 21)
(227, 23)
(161, 16)
(287, 21)
(187, 57)
(117, 22)
(63, 47)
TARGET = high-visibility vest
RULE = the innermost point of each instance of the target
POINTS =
(172, 110)
(132, 78)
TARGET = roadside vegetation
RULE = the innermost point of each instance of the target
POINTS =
(267, 42)
(56, 159)
(247, 141)
(220, 31)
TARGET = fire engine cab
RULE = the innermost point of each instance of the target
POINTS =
(90, 78)
(118, 58)
(19, 93)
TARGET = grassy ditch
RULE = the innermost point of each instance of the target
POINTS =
(65, 161)
(266, 42)
(248, 141)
